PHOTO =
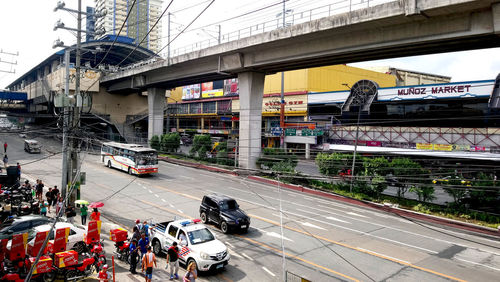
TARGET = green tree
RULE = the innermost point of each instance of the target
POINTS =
(170, 142)
(457, 193)
(408, 173)
(331, 164)
(484, 193)
(424, 193)
(155, 142)
(201, 145)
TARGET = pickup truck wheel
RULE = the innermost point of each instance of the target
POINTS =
(157, 247)
(203, 217)
(224, 227)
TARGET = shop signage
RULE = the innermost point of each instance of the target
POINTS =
(437, 91)
(276, 131)
(290, 131)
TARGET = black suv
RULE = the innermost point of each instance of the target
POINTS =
(225, 212)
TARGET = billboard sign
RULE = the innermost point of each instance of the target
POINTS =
(470, 89)
(212, 89)
(190, 92)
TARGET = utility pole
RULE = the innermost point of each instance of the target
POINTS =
(282, 108)
(76, 110)
(66, 121)
(219, 38)
(168, 42)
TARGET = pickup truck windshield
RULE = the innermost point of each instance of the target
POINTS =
(200, 236)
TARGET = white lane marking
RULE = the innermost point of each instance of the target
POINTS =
(233, 253)
(265, 188)
(366, 233)
(247, 257)
(150, 191)
(361, 249)
(273, 234)
(180, 211)
(290, 194)
(268, 271)
(143, 187)
(229, 244)
(480, 264)
(336, 219)
(171, 205)
(310, 198)
(157, 196)
(312, 225)
(186, 177)
(355, 214)
(163, 200)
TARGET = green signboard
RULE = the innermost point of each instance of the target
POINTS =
(290, 131)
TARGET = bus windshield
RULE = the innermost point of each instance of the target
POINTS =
(146, 158)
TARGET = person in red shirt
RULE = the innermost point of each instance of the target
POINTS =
(95, 215)
(103, 274)
(5, 147)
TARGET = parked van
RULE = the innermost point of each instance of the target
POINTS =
(32, 146)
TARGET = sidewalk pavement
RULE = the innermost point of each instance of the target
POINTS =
(122, 268)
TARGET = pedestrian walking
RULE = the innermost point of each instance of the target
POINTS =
(143, 244)
(173, 260)
(70, 214)
(5, 161)
(191, 273)
(145, 228)
(134, 254)
(55, 195)
(148, 262)
(5, 147)
(60, 205)
(95, 215)
(48, 196)
(83, 214)
(39, 190)
(137, 235)
(18, 172)
(43, 209)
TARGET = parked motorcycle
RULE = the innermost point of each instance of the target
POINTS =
(88, 266)
(122, 250)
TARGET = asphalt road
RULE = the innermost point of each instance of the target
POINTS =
(324, 240)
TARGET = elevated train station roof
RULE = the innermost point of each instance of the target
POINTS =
(122, 53)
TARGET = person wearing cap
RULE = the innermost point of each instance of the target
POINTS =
(103, 274)
(134, 253)
(148, 262)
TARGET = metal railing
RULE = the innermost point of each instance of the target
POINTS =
(335, 8)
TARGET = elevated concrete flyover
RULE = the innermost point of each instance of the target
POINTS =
(394, 29)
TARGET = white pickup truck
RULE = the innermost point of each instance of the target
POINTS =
(201, 247)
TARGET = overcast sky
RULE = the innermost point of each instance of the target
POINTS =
(26, 27)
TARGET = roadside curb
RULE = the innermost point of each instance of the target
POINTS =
(394, 210)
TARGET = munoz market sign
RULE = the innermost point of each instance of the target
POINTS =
(438, 91)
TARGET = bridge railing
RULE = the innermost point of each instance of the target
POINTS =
(335, 8)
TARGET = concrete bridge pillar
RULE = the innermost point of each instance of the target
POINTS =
(156, 105)
(251, 88)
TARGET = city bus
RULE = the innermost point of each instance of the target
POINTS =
(132, 158)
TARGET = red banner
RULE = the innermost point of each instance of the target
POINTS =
(18, 247)
(93, 232)
(35, 248)
(60, 241)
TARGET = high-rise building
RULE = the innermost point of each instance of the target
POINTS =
(90, 26)
(143, 16)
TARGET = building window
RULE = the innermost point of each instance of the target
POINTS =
(195, 108)
(209, 108)
(224, 107)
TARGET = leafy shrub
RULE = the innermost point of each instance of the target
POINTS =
(424, 193)
(170, 142)
(201, 146)
(276, 156)
(333, 163)
(155, 142)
